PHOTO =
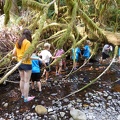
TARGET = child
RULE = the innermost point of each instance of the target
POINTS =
(59, 52)
(36, 66)
(86, 50)
(119, 54)
(46, 55)
(105, 52)
(76, 53)
(25, 68)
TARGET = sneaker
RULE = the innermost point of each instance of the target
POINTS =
(60, 76)
(29, 99)
(48, 80)
(66, 68)
(22, 96)
(33, 90)
(57, 74)
(40, 92)
(75, 68)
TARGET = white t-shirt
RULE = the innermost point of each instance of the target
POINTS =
(46, 55)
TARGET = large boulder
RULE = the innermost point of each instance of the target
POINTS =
(41, 110)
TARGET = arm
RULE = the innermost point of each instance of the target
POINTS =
(80, 54)
(55, 52)
(35, 57)
(42, 61)
(53, 57)
(14, 53)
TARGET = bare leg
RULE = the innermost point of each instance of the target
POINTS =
(57, 67)
(119, 59)
(74, 65)
(27, 75)
(59, 71)
(47, 75)
(44, 72)
(39, 85)
(101, 60)
(22, 82)
(64, 64)
(33, 87)
(85, 61)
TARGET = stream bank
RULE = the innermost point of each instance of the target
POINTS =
(100, 101)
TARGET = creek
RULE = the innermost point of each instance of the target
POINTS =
(100, 101)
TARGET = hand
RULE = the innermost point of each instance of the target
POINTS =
(14, 58)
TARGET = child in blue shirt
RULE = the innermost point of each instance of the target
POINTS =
(86, 50)
(76, 53)
(35, 76)
(119, 54)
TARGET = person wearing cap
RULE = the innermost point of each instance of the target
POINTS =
(46, 55)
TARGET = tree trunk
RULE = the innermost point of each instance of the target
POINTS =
(1, 7)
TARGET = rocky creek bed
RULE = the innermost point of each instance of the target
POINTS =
(100, 101)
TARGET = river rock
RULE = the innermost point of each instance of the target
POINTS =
(5, 105)
(118, 118)
(41, 109)
(62, 114)
(77, 114)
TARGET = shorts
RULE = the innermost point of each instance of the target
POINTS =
(47, 68)
(35, 77)
(104, 56)
(86, 57)
(60, 63)
(76, 60)
(25, 67)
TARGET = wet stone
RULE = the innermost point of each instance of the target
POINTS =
(50, 109)
(62, 114)
(66, 100)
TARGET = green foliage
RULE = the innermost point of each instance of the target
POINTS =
(19, 2)
(33, 4)
(51, 11)
(114, 18)
(7, 6)
(62, 2)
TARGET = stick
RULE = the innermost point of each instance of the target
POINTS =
(11, 71)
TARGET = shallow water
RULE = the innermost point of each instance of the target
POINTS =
(59, 88)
